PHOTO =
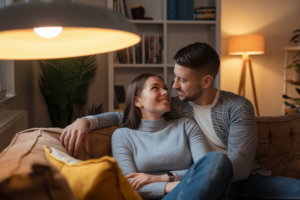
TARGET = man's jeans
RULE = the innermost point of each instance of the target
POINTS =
(259, 187)
(208, 179)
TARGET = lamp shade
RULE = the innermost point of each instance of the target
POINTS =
(250, 44)
(86, 30)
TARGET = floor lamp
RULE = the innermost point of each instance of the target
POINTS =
(246, 45)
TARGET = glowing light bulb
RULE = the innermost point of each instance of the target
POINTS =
(48, 32)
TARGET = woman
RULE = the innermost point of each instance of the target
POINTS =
(151, 149)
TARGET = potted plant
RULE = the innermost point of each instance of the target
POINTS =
(64, 86)
(296, 66)
(296, 38)
(294, 103)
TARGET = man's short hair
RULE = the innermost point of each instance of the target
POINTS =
(199, 57)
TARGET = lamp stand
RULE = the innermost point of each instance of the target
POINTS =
(246, 60)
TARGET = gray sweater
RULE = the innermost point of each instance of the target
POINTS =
(157, 147)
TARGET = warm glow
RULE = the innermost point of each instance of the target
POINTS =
(246, 44)
(71, 42)
(48, 32)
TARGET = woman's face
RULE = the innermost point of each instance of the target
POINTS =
(154, 100)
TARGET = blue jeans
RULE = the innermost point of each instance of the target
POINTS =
(257, 186)
(208, 179)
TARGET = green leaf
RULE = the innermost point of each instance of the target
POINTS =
(294, 37)
(286, 97)
(95, 110)
(290, 66)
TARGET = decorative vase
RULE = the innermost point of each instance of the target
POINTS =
(296, 77)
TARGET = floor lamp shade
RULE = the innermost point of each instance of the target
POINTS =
(85, 30)
(250, 44)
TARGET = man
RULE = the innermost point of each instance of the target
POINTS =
(227, 121)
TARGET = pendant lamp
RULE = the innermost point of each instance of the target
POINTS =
(48, 29)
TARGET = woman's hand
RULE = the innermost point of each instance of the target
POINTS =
(170, 186)
(140, 179)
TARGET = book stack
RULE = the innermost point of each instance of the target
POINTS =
(205, 13)
(153, 49)
(153, 52)
(124, 56)
(120, 7)
(180, 9)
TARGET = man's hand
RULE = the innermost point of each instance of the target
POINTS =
(74, 134)
(170, 186)
(140, 179)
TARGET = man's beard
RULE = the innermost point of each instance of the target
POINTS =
(194, 97)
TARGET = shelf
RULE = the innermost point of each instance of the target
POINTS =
(138, 65)
(192, 22)
(146, 21)
(8, 96)
(204, 22)
(293, 82)
(294, 48)
(170, 65)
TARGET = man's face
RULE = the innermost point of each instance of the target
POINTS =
(187, 84)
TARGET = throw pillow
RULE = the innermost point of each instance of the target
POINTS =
(92, 179)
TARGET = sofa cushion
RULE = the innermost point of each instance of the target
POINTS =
(93, 179)
(25, 170)
(99, 144)
(278, 145)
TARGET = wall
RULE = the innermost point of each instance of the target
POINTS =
(275, 19)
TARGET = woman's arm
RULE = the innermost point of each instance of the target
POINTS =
(123, 154)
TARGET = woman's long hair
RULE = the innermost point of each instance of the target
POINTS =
(132, 114)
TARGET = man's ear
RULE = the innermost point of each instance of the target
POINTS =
(137, 102)
(207, 81)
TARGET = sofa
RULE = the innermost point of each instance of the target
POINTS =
(26, 173)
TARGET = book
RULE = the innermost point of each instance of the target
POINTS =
(205, 16)
(147, 44)
(128, 56)
(172, 9)
(185, 9)
(205, 9)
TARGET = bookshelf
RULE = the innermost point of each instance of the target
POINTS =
(176, 35)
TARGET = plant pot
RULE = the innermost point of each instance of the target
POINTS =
(296, 77)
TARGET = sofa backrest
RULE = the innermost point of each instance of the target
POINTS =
(278, 144)
(278, 135)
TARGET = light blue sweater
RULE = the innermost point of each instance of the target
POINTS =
(157, 147)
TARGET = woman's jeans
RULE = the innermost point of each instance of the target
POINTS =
(208, 179)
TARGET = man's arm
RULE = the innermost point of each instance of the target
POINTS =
(78, 132)
(105, 120)
(242, 139)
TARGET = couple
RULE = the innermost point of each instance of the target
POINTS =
(153, 143)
